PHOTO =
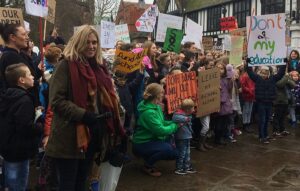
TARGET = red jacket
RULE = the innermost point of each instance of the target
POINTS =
(48, 121)
(248, 87)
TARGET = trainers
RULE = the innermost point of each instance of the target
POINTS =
(285, 133)
(151, 171)
(233, 140)
(180, 172)
(277, 134)
(264, 141)
(191, 171)
(270, 138)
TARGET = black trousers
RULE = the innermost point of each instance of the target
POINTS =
(221, 126)
(280, 113)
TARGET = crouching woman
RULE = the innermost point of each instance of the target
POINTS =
(150, 137)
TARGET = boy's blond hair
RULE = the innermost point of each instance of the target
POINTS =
(187, 104)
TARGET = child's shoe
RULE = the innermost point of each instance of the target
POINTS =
(180, 172)
(151, 171)
(285, 133)
(277, 134)
(264, 141)
(191, 171)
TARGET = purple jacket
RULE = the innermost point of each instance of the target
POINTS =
(226, 93)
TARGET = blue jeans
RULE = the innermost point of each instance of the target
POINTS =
(154, 151)
(183, 161)
(264, 113)
(16, 175)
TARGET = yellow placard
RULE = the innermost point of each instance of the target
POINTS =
(129, 61)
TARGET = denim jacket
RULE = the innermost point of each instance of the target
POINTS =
(184, 122)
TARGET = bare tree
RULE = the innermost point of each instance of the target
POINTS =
(105, 8)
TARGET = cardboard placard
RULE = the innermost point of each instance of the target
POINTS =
(236, 51)
(11, 16)
(266, 45)
(180, 87)
(51, 11)
(129, 61)
(241, 32)
(228, 23)
(167, 21)
(208, 92)
(207, 43)
(173, 40)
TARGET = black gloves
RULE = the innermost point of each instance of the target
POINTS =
(90, 118)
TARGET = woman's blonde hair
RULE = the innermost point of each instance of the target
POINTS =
(152, 91)
(78, 43)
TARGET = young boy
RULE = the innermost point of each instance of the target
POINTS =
(19, 140)
(183, 117)
(265, 93)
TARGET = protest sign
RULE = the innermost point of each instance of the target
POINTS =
(167, 21)
(147, 21)
(107, 34)
(266, 45)
(11, 16)
(37, 8)
(128, 62)
(180, 87)
(122, 33)
(173, 40)
(228, 23)
(218, 46)
(236, 52)
(208, 92)
(207, 43)
(241, 32)
(51, 11)
(193, 33)
(27, 26)
(227, 42)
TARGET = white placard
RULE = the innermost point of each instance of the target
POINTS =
(27, 26)
(167, 21)
(194, 32)
(147, 21)
(266, 44)
(107, 34)
(122, 33)
(36, 8)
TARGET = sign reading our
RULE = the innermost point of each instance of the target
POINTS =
(228, 23)
(180, 87)
(266, 45)
(129, 61)
(11, 16)
(173, 40)
(208, 92)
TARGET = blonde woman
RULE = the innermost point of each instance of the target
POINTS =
(149, 139)
(80, 90)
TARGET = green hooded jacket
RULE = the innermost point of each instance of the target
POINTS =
(151, 124)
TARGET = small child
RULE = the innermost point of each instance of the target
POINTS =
(183, 117)
(17, 108)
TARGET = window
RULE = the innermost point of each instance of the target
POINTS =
(272, 6)
(193, 16)
(213, 19)
(241, 10)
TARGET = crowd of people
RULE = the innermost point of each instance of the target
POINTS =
(80, 110)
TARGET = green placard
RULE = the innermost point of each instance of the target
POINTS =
(173, 40)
